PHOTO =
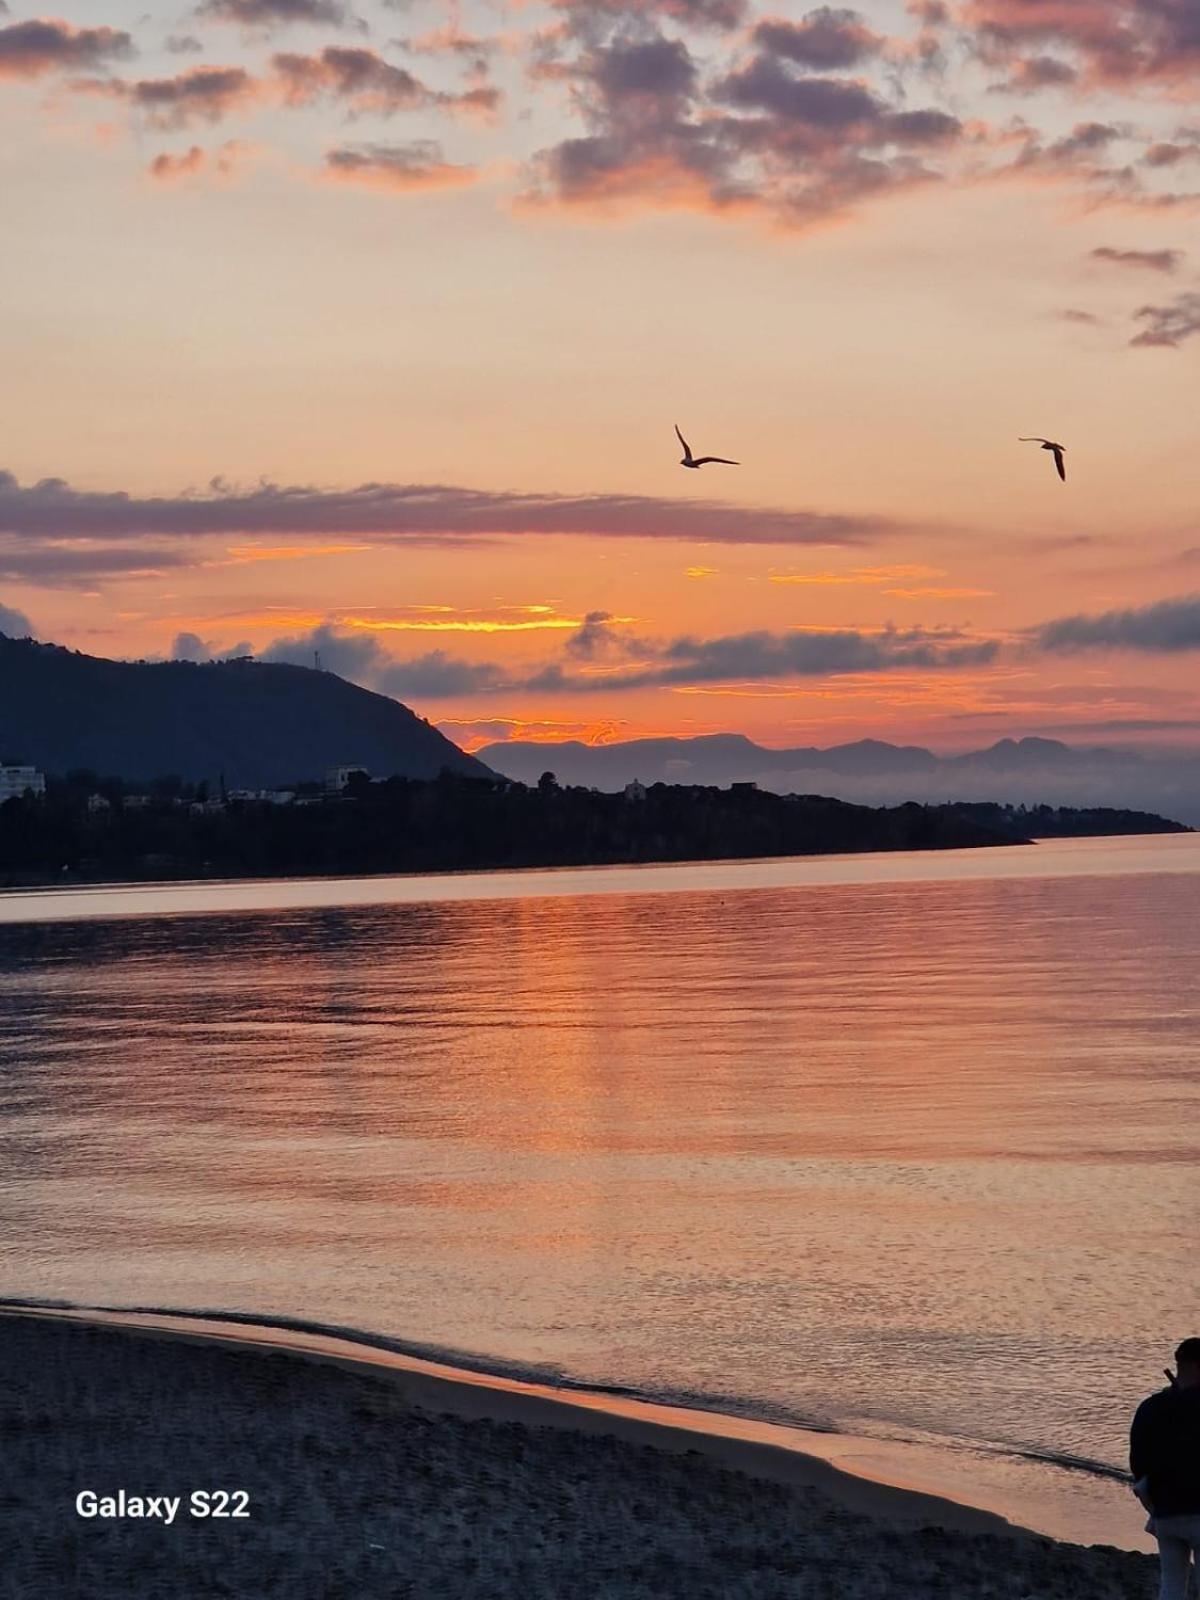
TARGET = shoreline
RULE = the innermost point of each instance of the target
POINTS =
(760, 1449)
(377, 1477)
(49, 886)
(1053, 857)
(75, 885)
(891, 1480)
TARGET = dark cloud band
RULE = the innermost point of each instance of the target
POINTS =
(53, 510)
(759, 657)
(32, 49)
(1165, 627)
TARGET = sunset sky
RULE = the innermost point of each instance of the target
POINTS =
(361, 327)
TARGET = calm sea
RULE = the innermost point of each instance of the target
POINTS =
(903, 1146)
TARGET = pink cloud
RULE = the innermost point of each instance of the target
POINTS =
(1115, 41)
(363, 82)
(766, 136)
(169, 168)
(202, 94)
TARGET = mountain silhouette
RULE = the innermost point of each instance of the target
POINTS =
(259, 724)
(1030, 771)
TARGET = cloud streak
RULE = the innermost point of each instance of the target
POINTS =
(1166, 627)
(53, 510)
(75, 564)
(1168, 326)
(1149, 260)
(268, 13)
(761, 656)
(637, 663)
(397, 167)
(718, 14)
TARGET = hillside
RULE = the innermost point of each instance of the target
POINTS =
(1031, 771)
(257, 724)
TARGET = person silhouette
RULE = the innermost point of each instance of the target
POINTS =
(1164, 1461)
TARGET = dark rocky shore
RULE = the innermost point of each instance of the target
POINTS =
(357, 1492)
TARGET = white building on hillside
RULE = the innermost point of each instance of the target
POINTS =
(266, 797)
(20, 780)
(336, 778)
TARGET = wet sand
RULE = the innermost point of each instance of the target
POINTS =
(406, 1480)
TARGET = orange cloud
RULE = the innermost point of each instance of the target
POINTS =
(241, 554)
(939, 594)
(167, 167)
(472, 734)
(864, 575)
(446, 619)
(269, 617)
(408, 619)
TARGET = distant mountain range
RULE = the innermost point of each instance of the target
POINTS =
(265, 725)
(872, 772)
(258, 724)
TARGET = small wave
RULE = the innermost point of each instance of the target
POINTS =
(1069, 1462)
(449, 1355)
(553, 1376)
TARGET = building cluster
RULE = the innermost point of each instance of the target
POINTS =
(263, 797)
(16, 781)
(100, 805)
(337, 778)
(335, 784)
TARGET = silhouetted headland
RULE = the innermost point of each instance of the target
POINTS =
(261, 723)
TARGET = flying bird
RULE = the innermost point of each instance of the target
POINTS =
(1049, 444)
(689, 460)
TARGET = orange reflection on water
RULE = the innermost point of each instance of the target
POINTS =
(902, 1142)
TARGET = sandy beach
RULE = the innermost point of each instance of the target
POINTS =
(380, 1481)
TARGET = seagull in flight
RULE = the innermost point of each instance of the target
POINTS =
(1049, 444)
(689, 460)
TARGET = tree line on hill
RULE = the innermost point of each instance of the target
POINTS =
(87, 829)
